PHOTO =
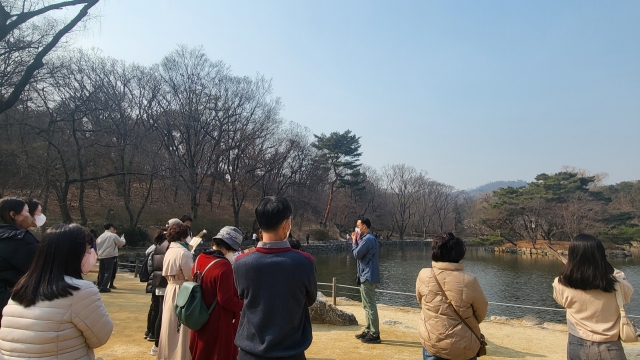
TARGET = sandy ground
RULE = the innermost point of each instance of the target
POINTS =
(128, 307)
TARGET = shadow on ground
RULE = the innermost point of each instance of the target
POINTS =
(495, 350)
(409, 344)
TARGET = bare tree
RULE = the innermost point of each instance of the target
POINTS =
(28, 33)
(403, 182)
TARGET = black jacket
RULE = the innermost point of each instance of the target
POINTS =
(17, 250)
(158, 260)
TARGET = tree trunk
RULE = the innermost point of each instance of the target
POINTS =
(62, 195)
(326, 212)
(145, 202)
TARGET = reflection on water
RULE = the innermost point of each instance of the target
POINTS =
(505, 278)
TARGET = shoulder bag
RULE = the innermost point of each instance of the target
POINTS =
(628, 331)
(483, 343)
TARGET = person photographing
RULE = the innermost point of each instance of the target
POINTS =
(365, 250)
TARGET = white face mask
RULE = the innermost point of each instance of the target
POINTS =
(40, 219)
(358, 230)
(188, 240)
(88, 261)
(229, 256)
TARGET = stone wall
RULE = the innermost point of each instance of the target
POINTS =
(545, 252)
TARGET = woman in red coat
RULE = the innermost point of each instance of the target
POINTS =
(215, 340)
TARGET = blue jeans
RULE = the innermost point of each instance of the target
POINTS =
(426, 355)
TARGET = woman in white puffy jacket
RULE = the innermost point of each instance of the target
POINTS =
(53, 313)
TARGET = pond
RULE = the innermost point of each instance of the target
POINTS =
(505, 278)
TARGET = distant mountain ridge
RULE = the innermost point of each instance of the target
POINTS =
(495, 185)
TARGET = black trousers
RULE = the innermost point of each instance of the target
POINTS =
(115, 271)
(159, 321)
(106, 271)
(154, 313)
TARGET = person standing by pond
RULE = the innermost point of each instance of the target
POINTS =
(17, 245)
(442, 332)
(365, 250)
(587, 288)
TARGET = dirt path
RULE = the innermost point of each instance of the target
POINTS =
(128, 307)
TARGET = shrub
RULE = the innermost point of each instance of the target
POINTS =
(623, 234)
(319, 234)
(136, 236)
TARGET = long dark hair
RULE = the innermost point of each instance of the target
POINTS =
(587, 266)
(60, 254)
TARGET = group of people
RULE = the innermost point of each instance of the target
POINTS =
(453, 304)
(250, 318)
(260, 300)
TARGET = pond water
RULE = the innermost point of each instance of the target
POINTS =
(505, 278)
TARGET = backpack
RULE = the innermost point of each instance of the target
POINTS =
(144, 274)
(190, 308)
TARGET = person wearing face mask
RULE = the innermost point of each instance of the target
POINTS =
(215, 340)
(35, 210)
(365, 250)
(53, 313)
(277, 284)
(17, 245)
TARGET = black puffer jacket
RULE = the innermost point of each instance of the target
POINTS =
(17, 250)
(158, 260)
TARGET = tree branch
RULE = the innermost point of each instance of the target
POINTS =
(38, 63)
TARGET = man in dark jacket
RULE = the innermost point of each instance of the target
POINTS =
(17, 245)
(278, 284)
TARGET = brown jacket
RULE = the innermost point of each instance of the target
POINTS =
(441, 331)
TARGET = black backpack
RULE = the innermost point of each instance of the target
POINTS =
(144, 274)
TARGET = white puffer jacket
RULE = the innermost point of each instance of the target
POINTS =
(67, 328)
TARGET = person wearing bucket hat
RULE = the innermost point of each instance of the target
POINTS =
(215, 340)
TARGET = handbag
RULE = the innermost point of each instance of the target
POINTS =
(483, 342)
(628, 331)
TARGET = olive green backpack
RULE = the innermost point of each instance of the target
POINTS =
(190, 307)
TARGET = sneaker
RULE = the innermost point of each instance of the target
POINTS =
(113, 287)
(362, 335)
(151, 338)
(146, 334)
(154, 351)
(371, 339)
(105, 290)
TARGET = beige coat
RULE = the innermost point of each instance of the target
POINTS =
(108, 244)
(67, 328)
(441, 331)
(593, 314)
(174, 345)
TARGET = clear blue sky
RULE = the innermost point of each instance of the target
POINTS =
(470, 91)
